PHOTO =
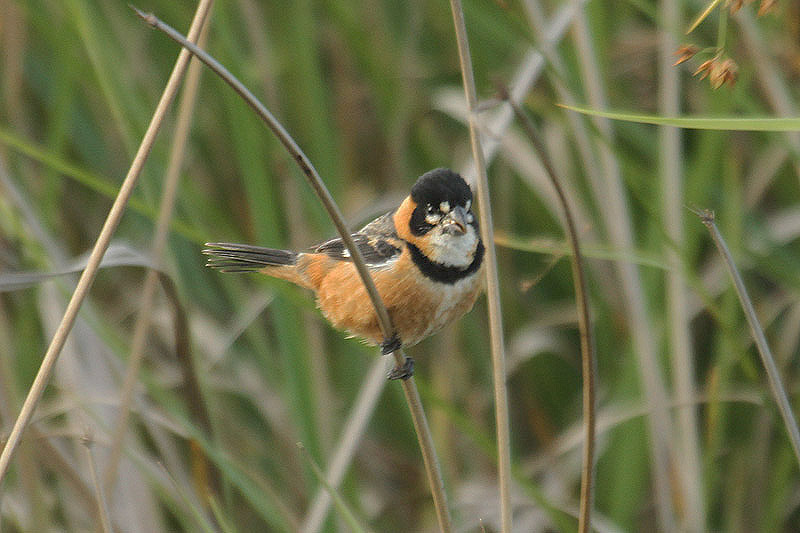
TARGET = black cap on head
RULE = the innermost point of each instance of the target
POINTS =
(441, 185)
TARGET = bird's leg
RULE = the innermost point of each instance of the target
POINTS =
(404, 371)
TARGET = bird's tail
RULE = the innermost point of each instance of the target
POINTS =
(228, 257)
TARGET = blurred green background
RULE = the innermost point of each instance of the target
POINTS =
(689, 437)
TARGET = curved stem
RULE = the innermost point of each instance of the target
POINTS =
(773, 374)
(584, 325)
(409, 387)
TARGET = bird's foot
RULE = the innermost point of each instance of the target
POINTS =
(404, 371)
(391, 345)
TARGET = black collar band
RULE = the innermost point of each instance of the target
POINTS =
(444, 273)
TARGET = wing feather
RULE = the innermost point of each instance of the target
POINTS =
(377, 241)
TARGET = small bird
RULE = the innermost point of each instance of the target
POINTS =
(425, 257)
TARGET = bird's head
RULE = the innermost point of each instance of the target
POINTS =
(439, 216)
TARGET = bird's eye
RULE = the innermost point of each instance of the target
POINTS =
(432, 215)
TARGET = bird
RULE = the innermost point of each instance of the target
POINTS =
(425, 257)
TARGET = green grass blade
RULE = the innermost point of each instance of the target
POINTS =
(698, 123)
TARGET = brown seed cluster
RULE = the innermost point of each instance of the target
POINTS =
(719, 71)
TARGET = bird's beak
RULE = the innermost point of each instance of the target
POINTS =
(455, 223)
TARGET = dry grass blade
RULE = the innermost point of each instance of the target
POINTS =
(589, 361)
(409, 387)
(778, 391)
(492, 281)
(103, 240)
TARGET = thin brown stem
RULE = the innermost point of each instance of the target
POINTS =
(409, 387)
(492, 282)
(588, 357)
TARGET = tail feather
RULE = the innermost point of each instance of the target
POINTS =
(229, 257)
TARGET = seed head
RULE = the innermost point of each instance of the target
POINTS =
(685, 53)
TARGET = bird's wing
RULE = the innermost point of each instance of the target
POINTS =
(377, 241)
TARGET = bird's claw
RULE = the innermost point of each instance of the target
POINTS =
(391, 345)
(404, 371)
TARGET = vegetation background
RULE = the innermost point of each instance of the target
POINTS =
(689, 437)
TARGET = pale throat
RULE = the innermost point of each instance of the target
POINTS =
(453, 250)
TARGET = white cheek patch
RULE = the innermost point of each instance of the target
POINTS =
(433, 218)
(444, 207)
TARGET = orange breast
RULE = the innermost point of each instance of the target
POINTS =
(418, 306)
